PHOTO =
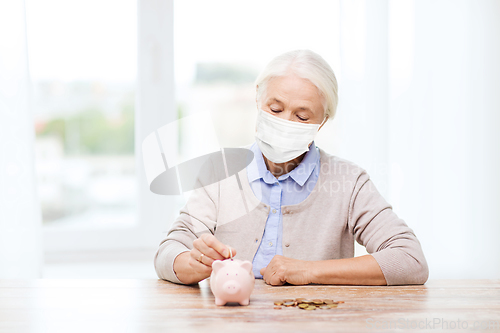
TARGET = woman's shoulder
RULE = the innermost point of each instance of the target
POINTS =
(335, 165)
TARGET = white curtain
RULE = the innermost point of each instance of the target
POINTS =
(419, 87)
(20, 219)
(445, 132)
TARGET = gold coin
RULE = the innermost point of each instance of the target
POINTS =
(323, 307)
(300, 299)
(277, 307)
(278, 303)
(317, 303)
(289, 303)
(303, 305)
(288, 300)
(331, 306)
(328, 301)
(311, 307)
(338, 302)
(307, 301)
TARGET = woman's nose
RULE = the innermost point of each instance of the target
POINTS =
(286, 115)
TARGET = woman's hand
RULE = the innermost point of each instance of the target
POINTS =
(212, 249)
(282, 269)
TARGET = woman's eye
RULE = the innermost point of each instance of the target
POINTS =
(275, 111)
(303, 119)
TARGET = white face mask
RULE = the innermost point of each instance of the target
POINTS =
(283, 140)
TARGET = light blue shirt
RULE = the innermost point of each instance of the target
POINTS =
(289, 189)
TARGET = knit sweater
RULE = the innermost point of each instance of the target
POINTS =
(343, 207)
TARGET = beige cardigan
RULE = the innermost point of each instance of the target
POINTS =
(344, 206)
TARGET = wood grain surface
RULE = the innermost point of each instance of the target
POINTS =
(160, 306)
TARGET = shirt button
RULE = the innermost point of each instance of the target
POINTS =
(270, 243)
(287, 245)
(256, 240)
(274, 211)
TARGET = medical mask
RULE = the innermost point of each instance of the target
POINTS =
(283, 140)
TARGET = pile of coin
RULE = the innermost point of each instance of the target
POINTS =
(308, 304)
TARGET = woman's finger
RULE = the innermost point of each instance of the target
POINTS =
(195, 254)
(201, 246)
(200, 267)
(215, 244)
(197, 264)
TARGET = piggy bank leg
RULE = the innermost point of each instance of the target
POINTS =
(218, 301)
(245, 302)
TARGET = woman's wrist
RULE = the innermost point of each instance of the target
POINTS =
(362, 270)
(322, 272)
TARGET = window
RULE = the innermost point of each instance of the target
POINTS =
(83, 67)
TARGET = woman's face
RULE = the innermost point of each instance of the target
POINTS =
(293, 98)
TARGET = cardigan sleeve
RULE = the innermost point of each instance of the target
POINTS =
(386, 236)
(197, 217)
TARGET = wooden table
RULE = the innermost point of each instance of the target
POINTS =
(160, 306)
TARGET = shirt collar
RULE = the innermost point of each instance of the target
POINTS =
(257, 168)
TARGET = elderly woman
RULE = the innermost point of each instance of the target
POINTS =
(308, 207)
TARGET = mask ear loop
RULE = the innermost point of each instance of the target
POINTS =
(322, 123)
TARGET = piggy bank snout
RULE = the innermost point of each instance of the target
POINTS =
(231, 287)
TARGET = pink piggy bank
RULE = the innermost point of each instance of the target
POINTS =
(232, 280)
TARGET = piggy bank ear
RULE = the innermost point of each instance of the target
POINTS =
(247, 265)
(216, 265)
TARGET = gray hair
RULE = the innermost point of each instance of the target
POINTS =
(307, 65)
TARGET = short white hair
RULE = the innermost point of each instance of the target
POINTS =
(307, 65)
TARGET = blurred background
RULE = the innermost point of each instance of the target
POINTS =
(83, 82)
